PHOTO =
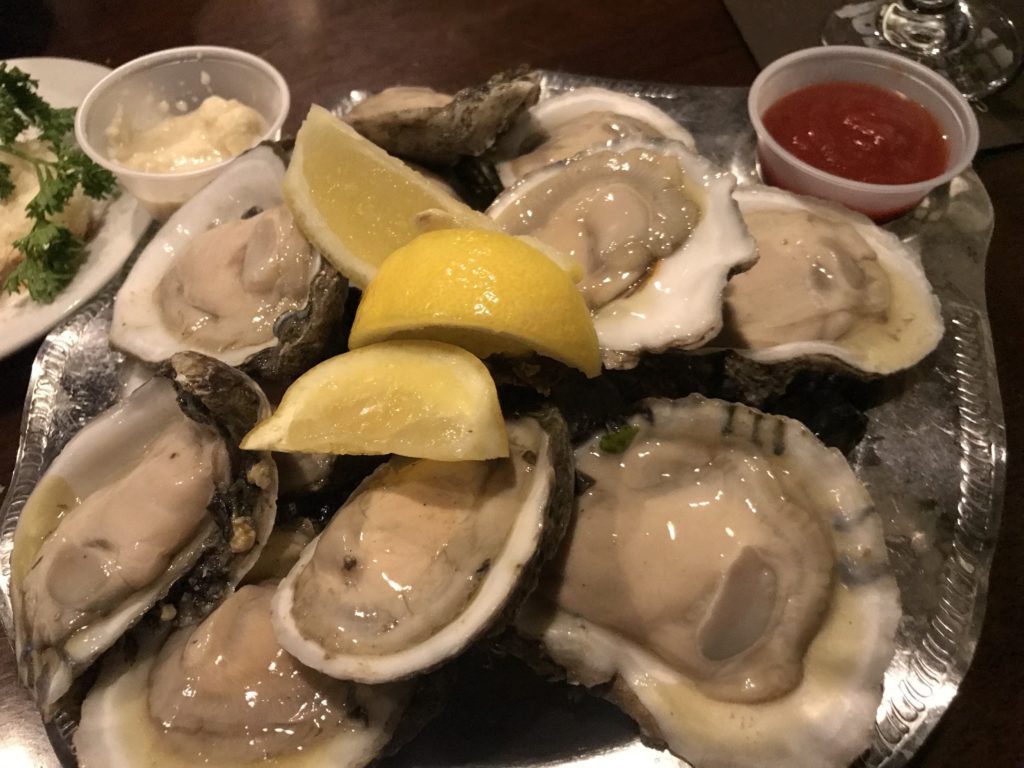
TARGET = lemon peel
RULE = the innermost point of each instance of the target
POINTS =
(355, 202)
(422, 399)
(485, 291)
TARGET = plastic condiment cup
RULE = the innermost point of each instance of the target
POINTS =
(844, 63)
(169, 82)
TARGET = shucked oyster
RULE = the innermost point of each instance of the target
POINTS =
(223, 693)
(726, 577)
(427, 556)
(655, 231)
(561, 126)
(148, 492)
(231, 276)
(829, 283)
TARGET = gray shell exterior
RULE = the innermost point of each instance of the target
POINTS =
(467, 126)
(308, 335)
(215, 394)
(558, 514)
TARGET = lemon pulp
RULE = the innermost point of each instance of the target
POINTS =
(485, 291)
(356, 202)
(415, 398)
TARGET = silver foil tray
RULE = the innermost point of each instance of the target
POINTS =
(933, 458)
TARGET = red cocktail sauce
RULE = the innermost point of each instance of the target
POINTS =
(860, 132)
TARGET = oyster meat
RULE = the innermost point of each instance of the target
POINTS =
(655, 231)
(427, 556)
(231, 276)
(224, 693)
(725, 580)
(150, 491)
(829, 284)
(584, 118)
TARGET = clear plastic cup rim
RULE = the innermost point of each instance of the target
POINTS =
(161, 57)
(951, 96)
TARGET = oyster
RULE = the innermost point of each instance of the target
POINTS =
(434, 128)
(427, 556)
(231, 276)
(761, 635)
(224, 693)
(829, 284)
(655, 230)
(561, 126)
(150, 491)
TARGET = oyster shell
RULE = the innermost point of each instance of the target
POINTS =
(561, 126)
(437, 129)
(656, 232)
(427, 556)
(230, 276)
(761, 635)
(224, 693)
(829, 285)
(150, 491)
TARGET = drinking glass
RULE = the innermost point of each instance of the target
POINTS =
(973, 43)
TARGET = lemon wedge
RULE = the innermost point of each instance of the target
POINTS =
(355, 202)
(481, 290)
(414, 398)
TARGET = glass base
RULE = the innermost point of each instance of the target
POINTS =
(973, 44)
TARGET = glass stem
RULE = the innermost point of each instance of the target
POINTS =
(971, 42)
(928, 6)
(924, 27)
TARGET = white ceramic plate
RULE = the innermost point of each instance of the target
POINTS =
(64, 83)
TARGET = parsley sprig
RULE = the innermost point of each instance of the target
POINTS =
(618, 440)
(52, 252)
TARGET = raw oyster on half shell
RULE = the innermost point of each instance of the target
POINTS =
(829, 284)
(655, 231)
(426, 557)
(726, 581)
(150, 492)
(224, 693)
(561, 126)
(231, 276)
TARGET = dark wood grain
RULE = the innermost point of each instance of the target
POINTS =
(324, 49)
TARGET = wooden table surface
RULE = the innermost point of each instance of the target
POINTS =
(324, 49)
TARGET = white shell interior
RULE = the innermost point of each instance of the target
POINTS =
(482, 609)
(679, 303)
(914, 325)
(559, 110)
(253, 180)
(117, 730)
(828, 718)
(85, 465)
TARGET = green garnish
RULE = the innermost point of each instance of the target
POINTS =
(52, 252)
(619, 440)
